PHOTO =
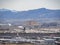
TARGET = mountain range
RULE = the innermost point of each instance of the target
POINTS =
(41, 14)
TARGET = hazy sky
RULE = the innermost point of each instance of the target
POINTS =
(29, 4)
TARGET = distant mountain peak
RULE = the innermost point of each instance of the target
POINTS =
(42, 8)
(41, 14)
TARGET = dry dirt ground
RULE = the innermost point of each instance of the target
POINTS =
(18, 44)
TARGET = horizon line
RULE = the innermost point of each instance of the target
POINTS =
(26, 9)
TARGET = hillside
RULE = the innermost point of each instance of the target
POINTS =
(41, 14)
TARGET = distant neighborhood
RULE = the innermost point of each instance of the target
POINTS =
(30, 27)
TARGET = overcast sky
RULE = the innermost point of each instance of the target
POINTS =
(21, 5)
